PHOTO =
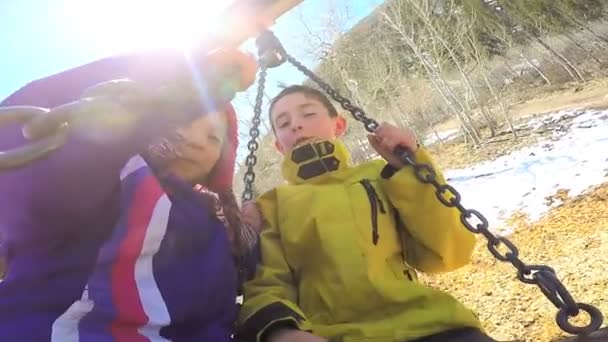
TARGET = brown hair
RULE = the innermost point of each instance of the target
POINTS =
(309, 92)
(223, 203)
(226, 209)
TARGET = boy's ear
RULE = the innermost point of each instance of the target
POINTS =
(341, 125)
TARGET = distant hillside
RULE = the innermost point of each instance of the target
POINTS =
(424, 63)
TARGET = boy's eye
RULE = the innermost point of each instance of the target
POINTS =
(283, 124)
(310, 114)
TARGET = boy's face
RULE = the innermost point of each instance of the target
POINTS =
(298, 118)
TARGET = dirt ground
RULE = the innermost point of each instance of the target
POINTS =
(572, 238)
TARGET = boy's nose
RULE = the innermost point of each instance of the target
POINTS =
(296, 128)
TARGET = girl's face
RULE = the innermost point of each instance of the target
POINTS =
(199, 149)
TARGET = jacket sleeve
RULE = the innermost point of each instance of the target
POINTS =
(270, 298)
(79, 180)
(434, 238)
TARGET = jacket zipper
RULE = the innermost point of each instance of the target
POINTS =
(375, 203)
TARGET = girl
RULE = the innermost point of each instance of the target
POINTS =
(122, 235)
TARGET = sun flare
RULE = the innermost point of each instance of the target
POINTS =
(131, 25)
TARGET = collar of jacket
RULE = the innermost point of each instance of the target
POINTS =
(315, 162)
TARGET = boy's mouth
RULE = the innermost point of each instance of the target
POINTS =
(302, 140)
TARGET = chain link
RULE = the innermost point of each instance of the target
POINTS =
(540, 275)
(254, 133)
(47, 130)
(370, 124)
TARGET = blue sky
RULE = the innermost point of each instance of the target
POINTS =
(37, 37)
(42, 37)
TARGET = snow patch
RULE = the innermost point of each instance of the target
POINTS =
(573, 158)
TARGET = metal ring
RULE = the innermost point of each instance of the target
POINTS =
(19, 114)
(562, 319)
(21, 156)
(41, 126)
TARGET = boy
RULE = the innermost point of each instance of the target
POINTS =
(341, 244)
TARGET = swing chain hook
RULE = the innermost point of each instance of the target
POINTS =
(271, 52)
(540, 275)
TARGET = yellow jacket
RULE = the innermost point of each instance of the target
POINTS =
(326, 269)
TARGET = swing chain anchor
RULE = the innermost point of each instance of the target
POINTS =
(540, 275)
(271, 52)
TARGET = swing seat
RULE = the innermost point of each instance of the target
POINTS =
(597, 336)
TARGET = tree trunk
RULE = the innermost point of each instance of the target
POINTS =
(505, 112)
(442, 87)
(582, 48)
(557, 60)
(490, 122)
(510, 68)
(431, 126)
(585, 27)
(544, 77)
(564, 60)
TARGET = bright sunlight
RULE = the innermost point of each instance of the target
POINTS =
(131, 25)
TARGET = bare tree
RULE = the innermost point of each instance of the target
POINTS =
(500, 12)
(475, 52)
(435, 34)
(394, 17)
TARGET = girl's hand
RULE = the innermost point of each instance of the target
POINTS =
(252, 216)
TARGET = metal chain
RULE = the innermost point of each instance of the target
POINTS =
(370, 124)
(271, 54)
(47, 130)
(254, 132)
(540, 275)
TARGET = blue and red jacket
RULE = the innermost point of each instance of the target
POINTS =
(97, 249)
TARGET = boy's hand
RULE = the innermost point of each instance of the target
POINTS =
(252, 216)
(289, 335)
(387, 137)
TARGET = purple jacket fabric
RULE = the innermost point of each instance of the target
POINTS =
(97, 250)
